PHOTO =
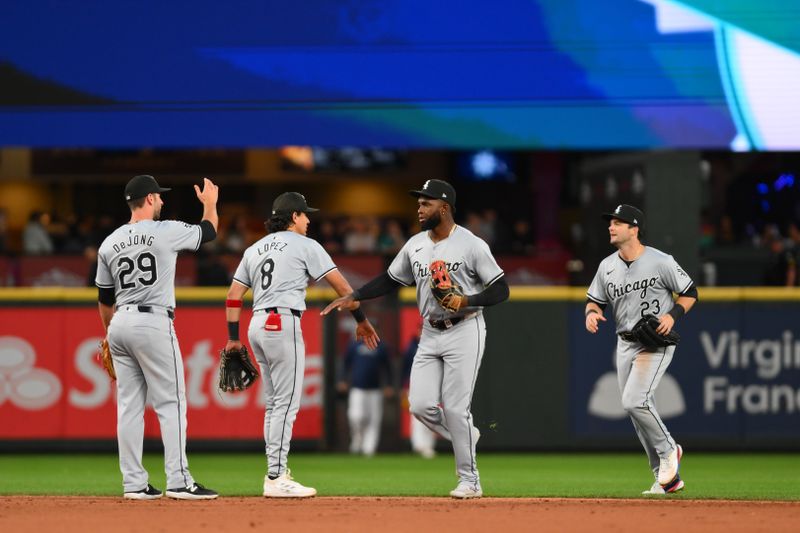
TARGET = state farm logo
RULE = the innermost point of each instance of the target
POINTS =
(21, 383)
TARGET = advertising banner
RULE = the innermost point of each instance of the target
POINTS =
(52, 385)
(735, 375)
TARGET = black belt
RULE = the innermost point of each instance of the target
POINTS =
(295, 312)
(627, 336)
(149, 309)
(447, 323)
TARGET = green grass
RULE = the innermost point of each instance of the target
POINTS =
(713, 476)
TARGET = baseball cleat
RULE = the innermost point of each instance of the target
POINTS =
(656, 489)
(669, 467)
(194, 492)
(147, 493)
(676, 485)
(467, 490)
(285, 487)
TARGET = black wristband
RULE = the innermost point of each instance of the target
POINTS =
(358, 314)
(356, 295)
(590, 311)
(233, 331)
(676, 312)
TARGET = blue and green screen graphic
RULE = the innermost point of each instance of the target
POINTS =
(547, 74)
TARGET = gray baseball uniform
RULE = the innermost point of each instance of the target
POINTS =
(277, 268)
(450, 350)
(634, 290)
(138, 262)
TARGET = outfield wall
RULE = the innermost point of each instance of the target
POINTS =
(545, 383)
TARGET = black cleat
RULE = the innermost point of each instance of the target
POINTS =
(195, 492)
(147, 493)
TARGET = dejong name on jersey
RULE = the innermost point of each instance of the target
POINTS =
(134, 239)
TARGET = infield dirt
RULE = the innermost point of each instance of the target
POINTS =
(22, 514)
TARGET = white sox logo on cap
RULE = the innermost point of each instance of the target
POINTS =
(626, 213)
(618, 210)
(437, 189)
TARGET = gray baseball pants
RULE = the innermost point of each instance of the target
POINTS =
(281, 355)
(148, 363)
(639, 374)
(442, 382)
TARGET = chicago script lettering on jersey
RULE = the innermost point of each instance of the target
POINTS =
(134, 240)
(622, 289)
(276, 246)
(423, 271)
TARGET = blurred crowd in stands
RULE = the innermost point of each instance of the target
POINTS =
(770, 253)
(46, 235)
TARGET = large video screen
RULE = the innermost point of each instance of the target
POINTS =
(574, 74)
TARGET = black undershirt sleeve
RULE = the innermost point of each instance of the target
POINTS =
(208, 233)
(601, 306)
(106, 296)
(691, 292)
(493, 294)
(378, 286)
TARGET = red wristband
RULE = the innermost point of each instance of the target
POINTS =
(233, 303)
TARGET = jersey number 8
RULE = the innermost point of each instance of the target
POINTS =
(147, 265)
(266, 273)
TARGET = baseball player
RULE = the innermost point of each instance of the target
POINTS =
(453, 335)
(277, 268)
(362, 372)
(136, 293)
(638, 280)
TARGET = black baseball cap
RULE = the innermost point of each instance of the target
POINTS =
(438, 190)
(141, 186)
(627, 213)
(291, 202)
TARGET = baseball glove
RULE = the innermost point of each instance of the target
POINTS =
(448, 294)
(236, 371)
(105, 359)
(645, 333)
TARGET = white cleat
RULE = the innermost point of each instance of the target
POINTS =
(466, 491)
(285, 487)
(656, 489)
(669, 467)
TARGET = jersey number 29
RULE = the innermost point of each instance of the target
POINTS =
(147, 265)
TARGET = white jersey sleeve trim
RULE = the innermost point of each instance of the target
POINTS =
(199, 238)
(104, 286)
(686, 287)
(401, 282)
(597, 300)
(240, 282)
(327, 272)
(500, 275)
